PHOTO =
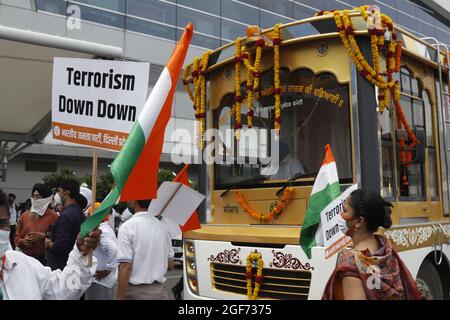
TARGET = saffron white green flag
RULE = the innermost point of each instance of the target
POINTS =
(326, 189)
(135, 169)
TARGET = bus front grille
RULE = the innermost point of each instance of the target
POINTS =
(277, 283)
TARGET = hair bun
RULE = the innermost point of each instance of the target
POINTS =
(387, 221)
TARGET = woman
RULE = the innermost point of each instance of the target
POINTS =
(371, 269)
(31, 228)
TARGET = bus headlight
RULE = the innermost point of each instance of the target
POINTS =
(191, 267)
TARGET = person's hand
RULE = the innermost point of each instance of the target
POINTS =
(99, 275)
(48, 243)
(25, 243)
(90, 242)
(35, 236)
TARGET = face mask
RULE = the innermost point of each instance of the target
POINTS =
(57, 199)
(39, 206)
(345, 226)
(5, 245)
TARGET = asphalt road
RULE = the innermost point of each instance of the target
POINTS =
(172, 278)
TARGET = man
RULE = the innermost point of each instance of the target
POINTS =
(24, 278)
(106, 254)
(145, 254)
(13, 218)
(33, 223)
(67, 227)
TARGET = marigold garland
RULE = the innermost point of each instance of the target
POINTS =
(198, 73)
(253, 75)
(254, 257)
(276, 76)
(237, 87)
(388, 88)
(275, 211)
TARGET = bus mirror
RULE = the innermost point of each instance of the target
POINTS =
(418, 156)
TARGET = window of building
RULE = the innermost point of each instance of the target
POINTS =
(115, 5)
(151, 28)
(152, 10)
(203, 23)
(53, 6)
(41, 166)
(101, 16)
(239, 12)
(210, 6)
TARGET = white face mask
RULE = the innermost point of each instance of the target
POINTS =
(57, 199)
(5, 245)
(39, 206)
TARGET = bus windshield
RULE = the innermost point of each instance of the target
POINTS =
(314, 112)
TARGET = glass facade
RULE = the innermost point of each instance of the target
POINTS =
(220, 21)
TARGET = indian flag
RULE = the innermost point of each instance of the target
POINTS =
(135, 169)
(326, 189)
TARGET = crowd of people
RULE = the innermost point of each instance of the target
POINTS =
(43, 257)
(133, 253)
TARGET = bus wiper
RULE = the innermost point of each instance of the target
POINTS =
(236, 182)
(296, 176)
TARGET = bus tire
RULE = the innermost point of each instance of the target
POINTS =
(429, 282)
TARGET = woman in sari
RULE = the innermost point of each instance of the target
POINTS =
(371, 269)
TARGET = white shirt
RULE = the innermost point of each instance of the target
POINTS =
(144, 241)
(12, 215)
(106, 254)
(25, 278)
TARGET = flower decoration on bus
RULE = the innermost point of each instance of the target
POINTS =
(275, 210)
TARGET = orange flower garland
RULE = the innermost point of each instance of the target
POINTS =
(237, 87)
(275, 211)
(276, 76)
(387, 87)
(199, 96)
(254, 257)
(253, 75)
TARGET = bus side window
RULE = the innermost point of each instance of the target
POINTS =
(411, 176)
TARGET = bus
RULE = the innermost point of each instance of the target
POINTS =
(318, 81)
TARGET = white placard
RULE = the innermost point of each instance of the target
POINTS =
(175, 202)
(96, 102)
(332, 224)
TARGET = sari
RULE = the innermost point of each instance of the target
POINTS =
(383, 274)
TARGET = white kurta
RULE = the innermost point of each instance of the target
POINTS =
(25, 278)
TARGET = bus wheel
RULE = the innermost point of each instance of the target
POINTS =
(429, 282)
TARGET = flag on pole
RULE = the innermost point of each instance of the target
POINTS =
(193, 222)
(326, 189)
(135, 169)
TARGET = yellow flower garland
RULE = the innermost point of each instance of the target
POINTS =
(254, 257)
(253, 75)
(198, 73)
(237, 87)
(276, 76)
(388, 88)
(275, 211)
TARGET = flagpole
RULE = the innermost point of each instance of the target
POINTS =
(94, 192)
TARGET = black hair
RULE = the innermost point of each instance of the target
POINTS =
(71, 185)
(144, 203)
(82, 201)
(12, 195)
(4, 201)
(371, 206)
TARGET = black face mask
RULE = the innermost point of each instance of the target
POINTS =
(131, 209)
